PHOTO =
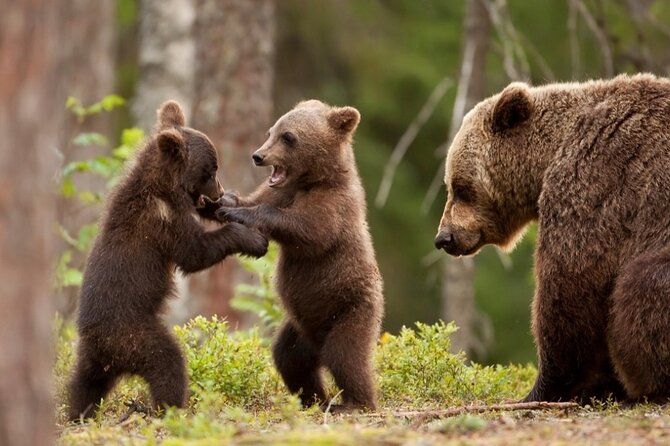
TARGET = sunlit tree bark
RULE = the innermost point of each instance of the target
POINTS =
(31, 111)
(233, 105)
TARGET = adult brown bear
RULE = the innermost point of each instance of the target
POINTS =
(591, 163)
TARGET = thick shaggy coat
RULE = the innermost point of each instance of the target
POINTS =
(313, 205)
(591, 163)
(149, 228)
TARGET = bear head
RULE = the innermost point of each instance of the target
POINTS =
(188, 152)
(488, 196)
(308, 144)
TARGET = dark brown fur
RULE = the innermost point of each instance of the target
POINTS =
(148, 230)
(591, 163)
(327, 274)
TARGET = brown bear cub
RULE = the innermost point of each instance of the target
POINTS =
(313, 205)
(149, 230)
(591, 163)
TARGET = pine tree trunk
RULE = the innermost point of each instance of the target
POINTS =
(31, 112)
(233, 105)
(458, 294)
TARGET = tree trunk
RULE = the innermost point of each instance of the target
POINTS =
(166, 59)
(31, 112)
(458, 294)
(88, 75)
(233, 106)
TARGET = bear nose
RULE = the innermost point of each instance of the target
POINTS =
(258, 159)
(444, 240)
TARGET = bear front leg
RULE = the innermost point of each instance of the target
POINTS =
(207, 208)
(569, 322)
(198, 249)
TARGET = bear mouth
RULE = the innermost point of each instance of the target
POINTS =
(277, 177)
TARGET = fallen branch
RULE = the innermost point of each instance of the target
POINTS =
(445, 413)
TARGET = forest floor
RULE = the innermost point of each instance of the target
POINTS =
(644, 424)
(427, 396)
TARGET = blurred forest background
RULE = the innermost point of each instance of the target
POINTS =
(412, 67)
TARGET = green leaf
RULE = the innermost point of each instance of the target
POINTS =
(75, 166)
(67, 187)
(112, 101)
(90, 139)
(72, 102)
(88, 197)
(132, 137)
(71, 277)
(86, 235)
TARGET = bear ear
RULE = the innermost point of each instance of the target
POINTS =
(170, 114)
(344, 120)
(513, 108)
(172, 144)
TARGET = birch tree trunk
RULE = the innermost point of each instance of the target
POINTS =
(216, 58)
(233, 106)
(166, 59)
(31, 112)
(458, 296)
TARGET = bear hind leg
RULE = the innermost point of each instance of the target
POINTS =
(161, 363)
(297, 361)
(348, 352)
(90, 382)
(639, 328)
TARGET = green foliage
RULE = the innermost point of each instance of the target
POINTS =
(260, 299)
(108, 103)
(108, 166)
(231, 374)
(234, 365)
(416, 367)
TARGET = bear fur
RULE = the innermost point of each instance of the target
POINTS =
(590, 162)
(313, 205)
(149, 228)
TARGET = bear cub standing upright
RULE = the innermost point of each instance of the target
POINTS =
(148, 230)
(313, 205)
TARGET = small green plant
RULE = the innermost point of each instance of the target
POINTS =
(260, 299)
(107, 166)
(234, 365)
(231, 373)
(417, 367)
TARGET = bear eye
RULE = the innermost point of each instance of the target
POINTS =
(288, 138)
(462, 193)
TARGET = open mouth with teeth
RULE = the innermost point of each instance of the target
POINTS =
(277, 177)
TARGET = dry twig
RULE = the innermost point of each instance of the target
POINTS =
(407, 138)
(599, 34)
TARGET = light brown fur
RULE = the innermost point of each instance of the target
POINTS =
(591, 163)
(313, 205)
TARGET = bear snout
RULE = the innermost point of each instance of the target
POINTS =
(257, 159)
(444, 240)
